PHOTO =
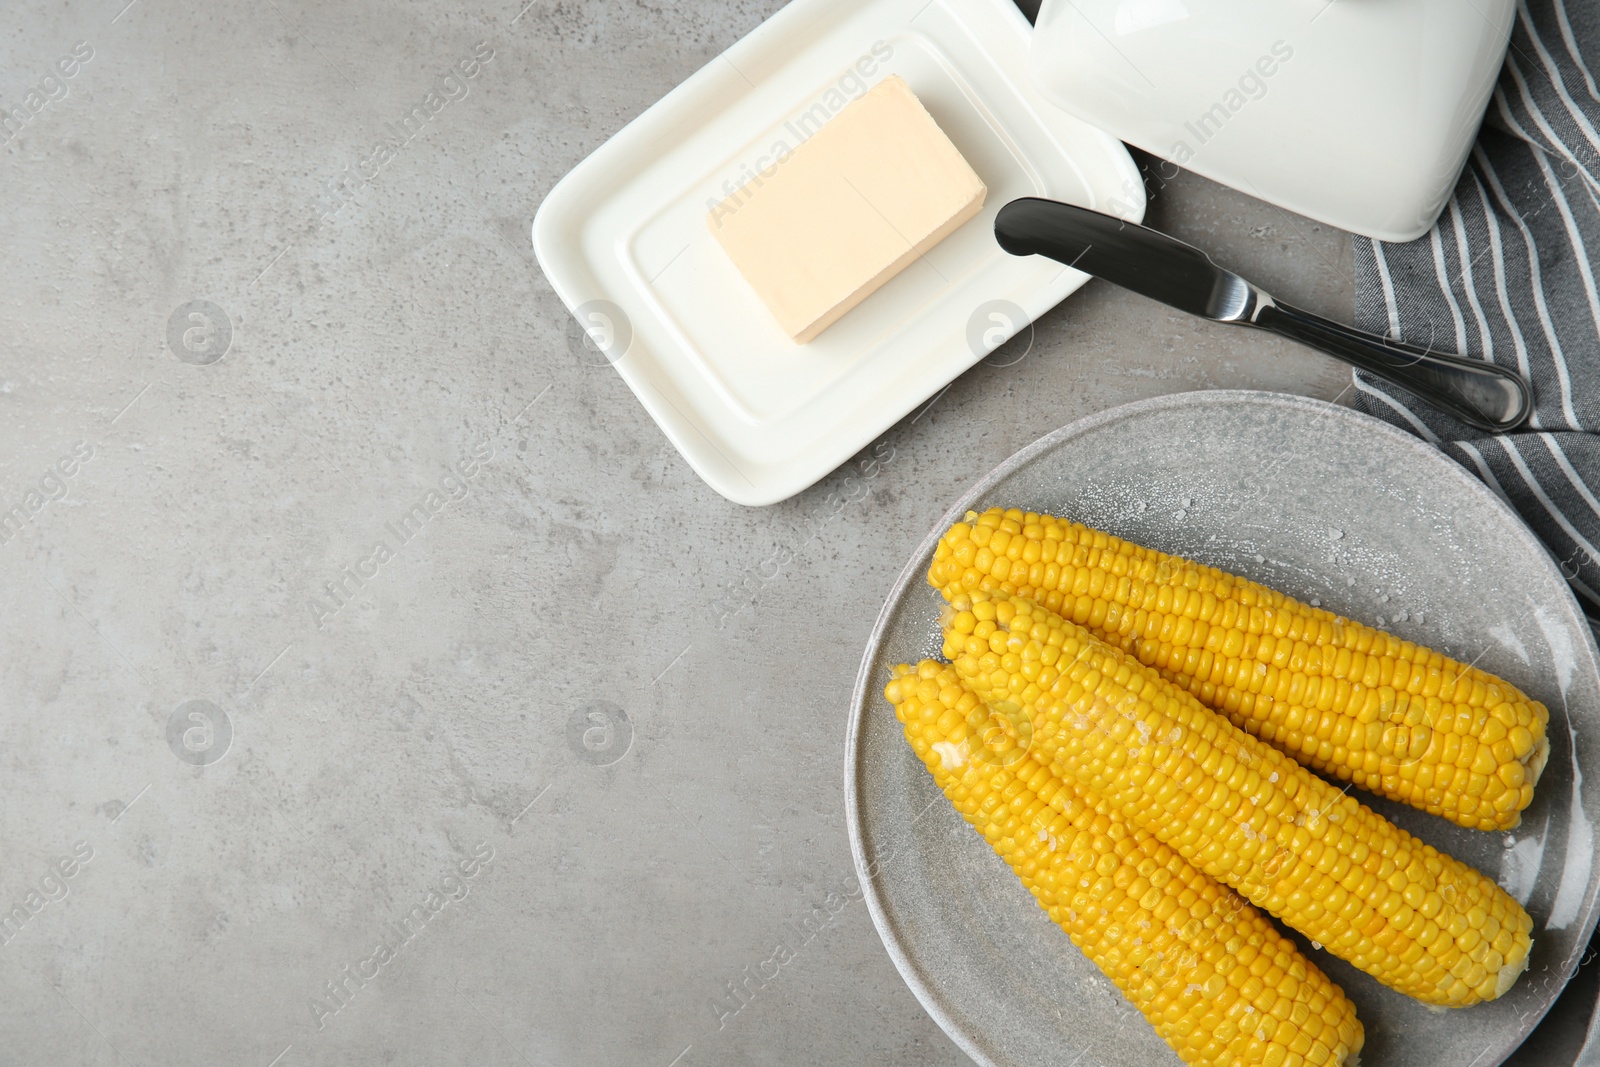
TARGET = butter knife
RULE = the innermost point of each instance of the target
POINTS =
(1180, 275)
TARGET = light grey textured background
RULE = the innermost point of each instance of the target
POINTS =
(457, 699)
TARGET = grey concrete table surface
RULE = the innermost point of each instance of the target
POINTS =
(378, 685)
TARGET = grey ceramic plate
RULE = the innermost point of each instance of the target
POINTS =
(1320, 502)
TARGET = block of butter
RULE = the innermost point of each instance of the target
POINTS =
(876, 187)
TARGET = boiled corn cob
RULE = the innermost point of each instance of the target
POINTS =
(1210, 973)
(1390, 716)
(1240, 810)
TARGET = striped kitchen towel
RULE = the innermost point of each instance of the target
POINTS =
(1509, 274)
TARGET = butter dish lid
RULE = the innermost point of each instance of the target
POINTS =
(1359, 115)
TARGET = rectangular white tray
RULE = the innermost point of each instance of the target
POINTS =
(624, 242)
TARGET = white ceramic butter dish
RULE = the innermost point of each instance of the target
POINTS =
(624, 241)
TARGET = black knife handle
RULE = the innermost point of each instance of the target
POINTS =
(1476, 392)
